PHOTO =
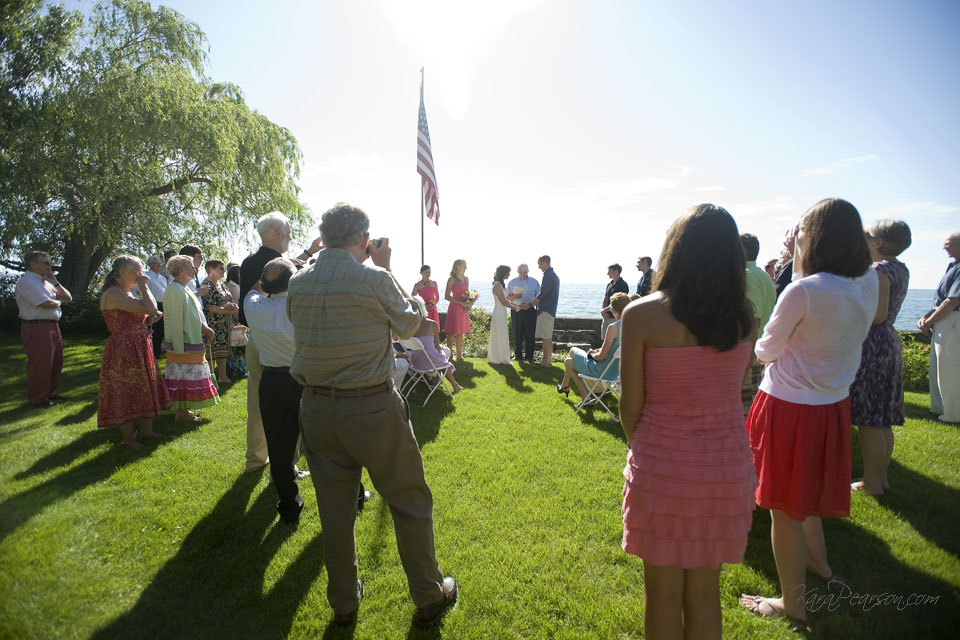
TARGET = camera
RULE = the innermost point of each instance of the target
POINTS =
(377, 242)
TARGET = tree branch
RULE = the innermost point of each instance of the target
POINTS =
(177, 184)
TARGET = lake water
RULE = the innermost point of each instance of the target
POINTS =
(583, 301)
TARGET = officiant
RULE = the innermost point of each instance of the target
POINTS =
(521, 291)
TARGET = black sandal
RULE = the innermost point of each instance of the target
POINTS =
(564, 390)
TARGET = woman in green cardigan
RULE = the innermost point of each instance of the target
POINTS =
(188, 376)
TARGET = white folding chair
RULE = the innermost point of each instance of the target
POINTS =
(599, 388)
(417, 374)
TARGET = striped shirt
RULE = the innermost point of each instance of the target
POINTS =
(342, 313)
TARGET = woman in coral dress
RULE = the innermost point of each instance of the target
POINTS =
(130, 386)
(189, 379)
(688, 499)
(430, 292)
(458, 313)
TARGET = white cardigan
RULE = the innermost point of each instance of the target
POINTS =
(814, 337)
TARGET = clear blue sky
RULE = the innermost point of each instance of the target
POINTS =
(581, 129)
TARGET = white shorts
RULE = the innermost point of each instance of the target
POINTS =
(544, 326)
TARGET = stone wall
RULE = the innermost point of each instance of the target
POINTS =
(569, 332)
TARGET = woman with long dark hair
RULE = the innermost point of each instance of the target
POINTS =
(688, 498)
(498, 347)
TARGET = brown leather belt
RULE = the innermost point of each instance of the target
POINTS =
(359, 392)
(39, 321)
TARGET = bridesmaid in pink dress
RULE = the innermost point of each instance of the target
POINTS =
(430, 292)
(458, 313)
(688, 499)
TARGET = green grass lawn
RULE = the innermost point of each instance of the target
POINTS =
(175, 541)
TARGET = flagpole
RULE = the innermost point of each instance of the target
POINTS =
(422, 213)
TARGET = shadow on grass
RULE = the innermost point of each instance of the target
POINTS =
(932, 508)
(512, 377)
(213, 586)
(918, 411)
(68, 453)
(466, 374)
(871, 569)
(597, 417)
(426, 420)
(18, 509)
(82, 415)
(79, 371)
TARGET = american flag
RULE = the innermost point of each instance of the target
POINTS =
(425, 165)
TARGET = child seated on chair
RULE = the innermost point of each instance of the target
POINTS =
(429, 334)
(594, 362)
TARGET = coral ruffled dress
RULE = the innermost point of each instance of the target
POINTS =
(458, 318)
(130, 384)
(689, 493)
(429, 293)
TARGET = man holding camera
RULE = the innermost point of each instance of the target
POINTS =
(351, 415)
(39, 296)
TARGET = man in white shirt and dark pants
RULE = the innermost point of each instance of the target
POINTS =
(265, 308)
(158, 287)
(39, 296)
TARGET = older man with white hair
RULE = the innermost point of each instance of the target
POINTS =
(274, 230)
(942, 324)
(158, 287)
(522, 290)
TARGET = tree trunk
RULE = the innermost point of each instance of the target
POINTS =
(82, 256)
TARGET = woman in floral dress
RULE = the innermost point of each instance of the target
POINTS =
(876, 396)
(130, 385)
(219, 308)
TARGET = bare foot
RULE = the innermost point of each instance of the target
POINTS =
(860, 485)
(133, 444)
(770, 608)
(826, 574)
(184, 415)
(457, 388)
(884, 483)
(226, 381)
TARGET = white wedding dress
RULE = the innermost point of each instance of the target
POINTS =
(498, 351)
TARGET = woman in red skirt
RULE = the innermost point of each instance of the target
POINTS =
(799, 424)
(131, 387)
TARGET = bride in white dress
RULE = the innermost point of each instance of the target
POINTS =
(498, 351)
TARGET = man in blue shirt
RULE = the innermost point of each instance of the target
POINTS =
(522, 290)
(942, 324)
(546, 304)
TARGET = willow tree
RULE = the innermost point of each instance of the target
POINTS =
(126, 145)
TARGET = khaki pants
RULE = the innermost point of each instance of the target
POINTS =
(256, 440)
(945, 368)
(340, 436)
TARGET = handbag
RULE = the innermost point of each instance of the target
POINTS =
(238, 335)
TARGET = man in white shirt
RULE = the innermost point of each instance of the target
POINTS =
(39, 296)
(158, 287)
(197, 255)
(265, 308)
(522, 290)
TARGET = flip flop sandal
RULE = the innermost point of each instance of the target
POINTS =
(758, 601)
